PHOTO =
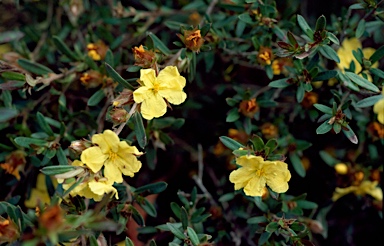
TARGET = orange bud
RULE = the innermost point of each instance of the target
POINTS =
(249, 107)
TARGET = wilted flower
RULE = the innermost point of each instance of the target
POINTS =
(309, 99)
(116, 156)
(97, 51)
(192, 39)
(123, 98)
(279, 64)
(144, 58)
(92, 78)
(254, 173)
(14, 163)
(249, 107)
(365, 188)
(269, 130)
(376, 130)
(378, 108)
(265, 56)
(52, 218)
(118, 115)
(9, 232)
(167, 85)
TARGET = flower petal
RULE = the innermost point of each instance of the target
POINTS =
(94, 158)
(250, 161)
(255, 186)
(125, 149)
(112, 172)
(142, 93)
(240, 177)
(129, 165)
(107, 141)
(171, 76)
(277, 175)
(101, 188)
(148, 77)
(154, 106)
(173, 96)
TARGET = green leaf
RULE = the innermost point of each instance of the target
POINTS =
(306, 204)
(280, 83)
(329, 53)
(33, 67)
(369, 101)
(325, 75)
(271, 144)
(61, 158)
(176, 209)
(379, 53)
(154, 188)
(264, 238)
(43, 124)
(7, 114)
(360, 28)
(184, 218)
(300, 93)
(379, 73)
(304, 26)
(175, 231)
(362, 82)
(205, 29)
(246, 18)
(336, 127)
(230, 143)
(116, 77)
(9, 36)
(96, 98)
(128, 242)
(63, 48)
(260, 204)
(292, 39)
(141, 136)
(257, 142)
(193, 236)
(54, 170)
(297, 165)
(136, 216)
(324, 128)
(328, 159)
(350, 135)
(333, 38)
(272, 227)
(93, 241)
(133, 69)
(148, 207)
(323, 108)
(13, 76)
(321, 23)
(357, 6)
(27, 142)
(91, 63)
(109, 59)
(257, 220)
(233, 115)
(157, 43)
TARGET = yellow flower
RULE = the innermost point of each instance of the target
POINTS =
(255, 173)
(341, 168)
(40, 193)
(117, 156)
(365, 188)
(378, 108)
(346, 56)
(167, 85)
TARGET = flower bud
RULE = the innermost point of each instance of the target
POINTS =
(249, 107)
(192, 39)
(78, 146)
(118, 115)
(9, 232)
(341, 168)
(124, 98)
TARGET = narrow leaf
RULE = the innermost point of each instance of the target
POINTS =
(360, 28)
(34, 67)
(325, 75)
(7, 114)
(54, 170)
(27, 142)
(96, 98)
(63, 48)
(297, 165)
(193, 236)
(324, 128)
(329, 53)
(230, 143)
(154, 188)
(379, 53)
(141, 136)
(350, 135)
(116, 77)
(43, 124)
(159, 44)
(323, 108)
(304, 26)
(184, 218)
(175, 231)
(280, 83)
(362, 82)
(369, 101)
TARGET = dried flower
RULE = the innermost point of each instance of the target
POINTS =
(92, 79)
(14, 163)
(309, 99)
(192, 39)
(144, 58)
(249, 107)
(265, 56)
(97, 51)
(269, 130)
(9, 232)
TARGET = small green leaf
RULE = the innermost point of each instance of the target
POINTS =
(141, 136)
(360, 28)
(176, 209)
(379, 53)
(133, 69)
(257, 220)
(109, 59)
(154, 188)
(54, 170)
(280, 83)
(226, 197)
(43, 124)
(13, 76)
(320, 23)
(231, 102)
(96, 98)
(264, 238)
(157, 43)
(63, 48)
(205, 29)
(292, 39)
(323, 108)
(271, 144)
(350, 135)
(257, 142)
(297, 165)
(304, 26)
(27, 142)
(9, 36)
(306, 204)
(325, 75)
(333, 38)
(184, 218)
(34, 67)
(324, 128)
(175, 231)
(379, 73)
(148, 207)
(233, 115)
(193, 236)
(128, 242)
(300, 93)
(246, 18)
(337, 127)
(7, 114)
(230, 143)
(328, 159)
(116, 77)
(136, 216)
(329, 53)
(93, 241)
(362, 82)
(272, 227)
(369, 101)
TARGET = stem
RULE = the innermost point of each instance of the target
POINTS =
(130, 113)
(209, 10)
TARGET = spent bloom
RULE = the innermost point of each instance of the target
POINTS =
(144, 58)
(97, 51)
(192, 39)
(254, 173)
(167, 85)
(365, 188)
(14, 163)
(378, 108)
(9, 231)
(116, 156)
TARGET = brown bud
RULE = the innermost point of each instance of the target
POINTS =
(9, 232)
(118, 115)
(52, 218)
(91, 79)
(144, 58)
(192, 39)
(249, 107)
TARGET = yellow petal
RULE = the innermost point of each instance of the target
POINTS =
(77, 163)
(129, 165)
(107, 141)
(378, 108)
(255, 162)
(173, 96)
(94, 158)
(148, 77)
(255, 186)
(101, 188)
(153, 107)
(125, 149)
(368, 52)
(172, 77)
(241, 176)
(339, 192)
(112, 172)
(36, 197)
(277, 175)
(142, 93)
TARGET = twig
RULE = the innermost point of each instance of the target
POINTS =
(130, 113)
(209, 10)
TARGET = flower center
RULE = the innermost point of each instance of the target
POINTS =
(112, 155)
(156, 87)
(260, 172)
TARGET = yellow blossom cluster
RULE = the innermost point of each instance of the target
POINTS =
(103, 164)
(255, 173)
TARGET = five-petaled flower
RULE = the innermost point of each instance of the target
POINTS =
(167, 85)
(255, 173)
(116, 156)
